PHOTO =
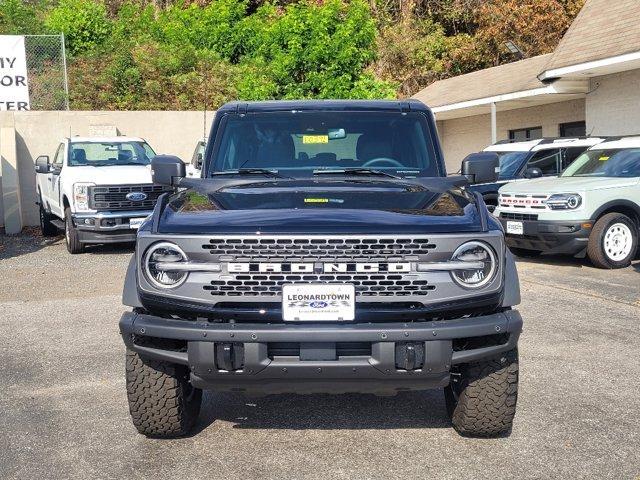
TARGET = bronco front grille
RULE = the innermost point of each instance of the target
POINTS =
(114, 197)
(270, 285)
(518, 216)
(370, 249)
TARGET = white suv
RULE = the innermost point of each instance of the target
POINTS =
(592, 208)
(543, 157)
(98, 190)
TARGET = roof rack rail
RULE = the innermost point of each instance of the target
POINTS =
(544, 140)
(514, 140)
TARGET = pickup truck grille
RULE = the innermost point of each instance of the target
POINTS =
(368, 249)
(114, 197)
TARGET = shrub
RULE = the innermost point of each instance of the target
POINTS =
(19, 18)
(84, 23)
(310, 50)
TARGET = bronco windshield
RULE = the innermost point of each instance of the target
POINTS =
(99, 154)
(301, 143)
(510, 163)
(620, 162)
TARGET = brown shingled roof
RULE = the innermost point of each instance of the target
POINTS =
(603, 28)
(507, 78)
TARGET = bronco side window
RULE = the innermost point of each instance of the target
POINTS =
(546, 160)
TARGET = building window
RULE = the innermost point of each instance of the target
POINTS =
(573, 129)
(522, 134)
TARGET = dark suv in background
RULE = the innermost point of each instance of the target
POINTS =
(323, 250)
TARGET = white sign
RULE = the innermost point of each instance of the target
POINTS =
(313, 302)
(14, 87)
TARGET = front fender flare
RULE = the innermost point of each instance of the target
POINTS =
(130, 291)
(511, 295)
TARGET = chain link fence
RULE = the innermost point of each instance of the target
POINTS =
(47, 72)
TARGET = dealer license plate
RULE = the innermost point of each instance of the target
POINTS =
(515, 228)
(318, 302)
(136, 222)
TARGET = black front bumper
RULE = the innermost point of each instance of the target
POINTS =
(549, 236)
(199, 345)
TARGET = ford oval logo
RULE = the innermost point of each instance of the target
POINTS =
(318, 304)
(136, 196)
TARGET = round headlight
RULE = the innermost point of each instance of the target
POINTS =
(481, 262)
(160, 265)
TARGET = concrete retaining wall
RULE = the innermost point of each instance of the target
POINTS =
(26, 135)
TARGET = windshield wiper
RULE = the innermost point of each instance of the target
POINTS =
(355, 171)
(250, 171)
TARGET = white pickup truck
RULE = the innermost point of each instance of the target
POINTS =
(98, 190)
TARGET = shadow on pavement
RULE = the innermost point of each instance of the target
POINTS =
(562, 260)
(566, 261)
(325, 412)
(30, 241)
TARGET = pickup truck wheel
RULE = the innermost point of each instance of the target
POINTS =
(162, 402)
(47, 228)
(71, 234)
(481, 399)
(521, 252)
(613, 241)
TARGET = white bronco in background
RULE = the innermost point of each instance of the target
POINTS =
(98, 190)
(592, 208)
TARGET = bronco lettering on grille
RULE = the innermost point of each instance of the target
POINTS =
(394, 267)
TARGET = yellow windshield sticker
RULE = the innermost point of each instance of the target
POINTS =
(316, 200)
(315, 139)
(603, 159)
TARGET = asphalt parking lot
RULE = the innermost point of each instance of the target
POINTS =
(63, 409)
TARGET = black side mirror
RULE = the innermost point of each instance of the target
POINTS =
(532, 172)
(199, 161)
(167, 170)
(42, 164)
(481, 167)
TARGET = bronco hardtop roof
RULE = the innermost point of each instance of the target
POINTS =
(543, 144)
(619, 142)
(326, 105)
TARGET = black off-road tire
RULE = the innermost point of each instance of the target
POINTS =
(47, 228)
(523, 253)
(481, 402)
(71, 234)
(596, 249)
(162, 402)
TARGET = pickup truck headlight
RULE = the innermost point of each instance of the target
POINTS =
(162, 262)
(564, 201)
(81, 196)
(481, 261)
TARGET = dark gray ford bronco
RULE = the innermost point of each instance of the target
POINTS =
(324, 249)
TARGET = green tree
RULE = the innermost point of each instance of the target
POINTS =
(312, 50)
(18, 17)
(84, 23)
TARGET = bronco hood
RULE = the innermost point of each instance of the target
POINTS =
(320, 206)
(549, 186)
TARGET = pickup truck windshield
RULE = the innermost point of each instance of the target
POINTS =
(623, 162)
(100, 154)
(300, 143)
